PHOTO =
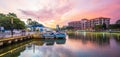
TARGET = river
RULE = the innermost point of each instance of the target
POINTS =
(75, 45)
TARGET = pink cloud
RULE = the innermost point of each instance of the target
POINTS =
(49, 12)
(63, 11)
(110, 10)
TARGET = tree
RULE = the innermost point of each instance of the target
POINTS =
(98, 27)
(34, 23)
(114, 26)
(12, 14)
(118, 22)
(101, 27)
(69, 27)
(5, 21)
(104, 26)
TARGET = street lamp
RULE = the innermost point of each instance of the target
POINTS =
(12, 27)
(11, 20)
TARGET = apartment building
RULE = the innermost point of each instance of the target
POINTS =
(85, 24)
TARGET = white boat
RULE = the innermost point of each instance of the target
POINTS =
(60, 35)
(48, 35)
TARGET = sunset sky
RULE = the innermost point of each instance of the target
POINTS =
(53, 12)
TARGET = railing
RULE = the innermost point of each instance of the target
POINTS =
(7, 35)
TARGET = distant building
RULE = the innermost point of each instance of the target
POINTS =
(75, 24)
(85, 24)
(99, 21)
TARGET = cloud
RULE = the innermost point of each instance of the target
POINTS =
(110, 10)
(51, 11)
(60, 12)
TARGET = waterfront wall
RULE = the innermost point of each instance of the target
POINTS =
(11, 40)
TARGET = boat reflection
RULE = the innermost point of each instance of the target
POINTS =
(61, 41)
(50, 42)
(14, 51)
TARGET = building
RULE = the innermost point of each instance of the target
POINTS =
(99, 21)
(75, 24)
(85, 24)
(82, 24)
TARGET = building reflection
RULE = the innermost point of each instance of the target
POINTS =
(98, 39)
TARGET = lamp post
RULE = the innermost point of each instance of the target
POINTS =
(11, 26)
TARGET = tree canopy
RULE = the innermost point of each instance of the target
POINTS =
(118, 21)
(5, 21)
(67, 28)
(35, 24)
(114, 26)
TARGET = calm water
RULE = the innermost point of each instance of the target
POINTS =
(75, 45)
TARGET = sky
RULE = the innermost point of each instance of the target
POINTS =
(53, 12)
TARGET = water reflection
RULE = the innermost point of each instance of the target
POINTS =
(76, 45)
(47, 48)
(98, 39)
(49, 42)
(13, 50)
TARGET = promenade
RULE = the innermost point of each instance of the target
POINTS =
(6, 38)
(8, 34)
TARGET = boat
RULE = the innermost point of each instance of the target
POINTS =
(48, 35)
(60, 35)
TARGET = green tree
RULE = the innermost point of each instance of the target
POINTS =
(114, 26)
(12, 14)
(118, 22)
(5, 21)
(101, 27)
(98, 27)
(69, 27)
(104, 27)
(35, 23)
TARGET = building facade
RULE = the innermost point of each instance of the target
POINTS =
(99, 21)
(85, 24)
(75, 24)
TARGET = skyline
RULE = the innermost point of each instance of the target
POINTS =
(61, 12)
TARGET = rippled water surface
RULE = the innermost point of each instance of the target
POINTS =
(75, 45)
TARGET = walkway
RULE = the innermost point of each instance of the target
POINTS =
(7, 35)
